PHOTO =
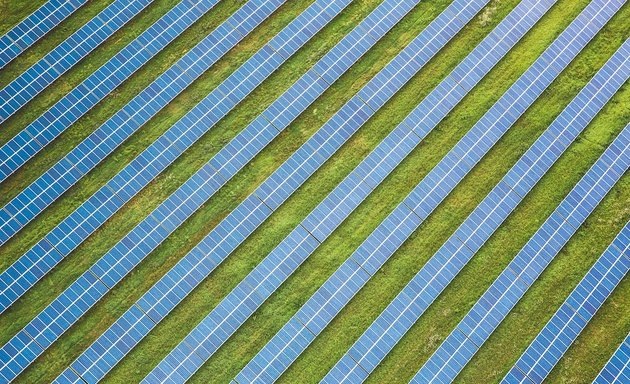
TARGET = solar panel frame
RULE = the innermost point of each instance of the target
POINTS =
(617, 369)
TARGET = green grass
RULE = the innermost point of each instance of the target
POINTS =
(582, 361)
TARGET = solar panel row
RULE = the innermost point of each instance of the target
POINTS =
(63, 57)
(98, 145)
(128, 330)
(109, 270)
(99, 84)
(617, 369)
(574, 314)
(385, 332)
(34, 27)
(239, 304)
(335, 293)
(495, 304)
(75, 228)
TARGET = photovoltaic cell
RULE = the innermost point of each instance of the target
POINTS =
(335, 293)
(99, 84)
(617, 369)
(63, 57)
(102, 276)
(505, 292)
(261, 283)
(75, 228)
(34, 27)
(578, 309)
(385, 332)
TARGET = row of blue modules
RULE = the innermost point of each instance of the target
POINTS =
(43, 130)
(64, 56)
(505, 292)
(233, 310)
(81, 223)
(391, 325)
(229, 161)
(129, 329)
(34, 27)
(571, 318)
(104, 140)
(93, 284)
(337, 291)
(617, 369)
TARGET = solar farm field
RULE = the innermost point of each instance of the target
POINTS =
(302, 191)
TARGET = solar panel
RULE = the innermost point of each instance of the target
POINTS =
(241, 302)
(230, 159)
(96, 282)
(34, 27)
(578, 309)
(99, 84)
(98, 145)
(75, 228)
(495, 304)
(617, 369)
(385, 332)
(63, 57)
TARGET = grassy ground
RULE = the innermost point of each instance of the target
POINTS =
(582, 361)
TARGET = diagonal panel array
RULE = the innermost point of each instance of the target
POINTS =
(34, 27)
(129, 329)
(97, 146)
(391, 325)
(90, 287)
(64, 56)
(574, 314)
(208, 336)
(99, 84)
(93, 213)
(617, 369)
(505, 292)
(337, 291)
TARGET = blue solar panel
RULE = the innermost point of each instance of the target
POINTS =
(63, 57)
(495, 304)
(369, 257)
(99, 84)
(96, 147)
(617, 369)
(75, 228)
(267, 276)
(36, 25)
(385, 332)
(574, 314)
(250, 214)
(110, 269)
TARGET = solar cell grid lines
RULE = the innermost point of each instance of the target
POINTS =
(75, 228)
(505, 292)
(240, 303)
(574, 314)
(319, 310)
(617, 369)
(42, 131)
(21, 90)
(385, 332)
(93, 284)
(34, 27)
(97, 146)
(128, 262)
(228, 161)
